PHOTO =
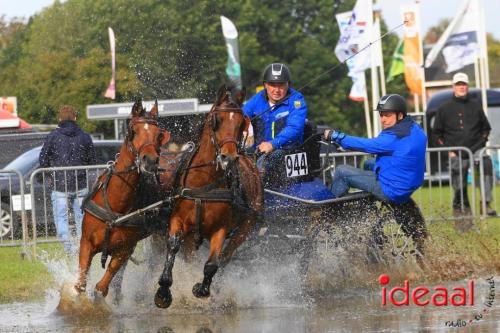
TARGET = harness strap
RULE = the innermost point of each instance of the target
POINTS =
(100, 212)
(198, 239)
(218, 194)
(107, 236)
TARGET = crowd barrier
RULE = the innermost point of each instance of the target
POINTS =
(24, 202)
(26, 214)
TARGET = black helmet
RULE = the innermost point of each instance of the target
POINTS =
(392, 102)
(277, 72)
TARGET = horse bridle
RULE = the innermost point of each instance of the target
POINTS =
(214, 122)
(130, 137)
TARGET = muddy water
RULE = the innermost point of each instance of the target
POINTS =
(266, 298)
(345, 314)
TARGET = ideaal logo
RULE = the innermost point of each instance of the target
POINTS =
(438, 296)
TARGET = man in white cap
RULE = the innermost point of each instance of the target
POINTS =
(462, 122)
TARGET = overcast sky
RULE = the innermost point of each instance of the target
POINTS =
(431, 11)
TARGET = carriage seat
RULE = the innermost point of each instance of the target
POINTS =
(299, 165)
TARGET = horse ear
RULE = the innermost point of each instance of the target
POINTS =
(221, 93)
(154, 110)
(240, 96)
(137, 109)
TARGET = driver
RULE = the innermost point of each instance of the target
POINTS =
(400, 155)
(278, 115)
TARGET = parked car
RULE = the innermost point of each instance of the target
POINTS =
(26, 164)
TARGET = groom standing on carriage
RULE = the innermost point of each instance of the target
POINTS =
(399, 167)
(278, 116)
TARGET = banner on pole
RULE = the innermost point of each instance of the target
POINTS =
(412, 49)
(355, 34)
(397, 63)
(233, 68)
(459, 43)
(111, 91)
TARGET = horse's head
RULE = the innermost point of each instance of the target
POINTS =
(145, 137)
(227, 124)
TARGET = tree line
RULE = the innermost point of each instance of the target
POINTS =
(175, 49)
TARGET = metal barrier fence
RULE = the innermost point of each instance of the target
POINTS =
(53, 185)
(494, 155)
(13, 221)
(435, 197)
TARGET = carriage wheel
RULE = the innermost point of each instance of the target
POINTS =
(397, 240)
(400, 246)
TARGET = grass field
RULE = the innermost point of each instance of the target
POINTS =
(22, 279)
(450, 255)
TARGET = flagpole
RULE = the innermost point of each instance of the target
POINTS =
(482, 58)
(379, 50)
(422, 68)
(485, 45)
(366, 103)
(373, 71)
(476, 73)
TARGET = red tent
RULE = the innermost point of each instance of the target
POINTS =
(9, 120)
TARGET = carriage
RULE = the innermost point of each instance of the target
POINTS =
(212, 190)
(302, 216)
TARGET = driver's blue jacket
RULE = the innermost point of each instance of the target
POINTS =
(283, 125)
(400, 161)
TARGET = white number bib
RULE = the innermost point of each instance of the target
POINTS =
(296, 165)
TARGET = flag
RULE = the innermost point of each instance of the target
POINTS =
(355, 35)
(412, 49)
(111, 91)
(233, 69)
(397, 64)
(459, 42)
(358, 89)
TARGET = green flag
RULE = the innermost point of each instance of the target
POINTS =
(233, 69)
(397, 64)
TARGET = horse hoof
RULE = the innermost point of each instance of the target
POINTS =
(201, 291)
(99, 296)
(163, 298)
(79, 288)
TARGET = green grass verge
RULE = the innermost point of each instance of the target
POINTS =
(22, 279)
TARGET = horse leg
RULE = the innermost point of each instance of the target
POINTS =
(236, 240)
(163, 296)
(87, 252)
(117, 260)
(117, 282)
(212, 264)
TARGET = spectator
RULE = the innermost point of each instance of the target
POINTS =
(462, 122)
(66, 146)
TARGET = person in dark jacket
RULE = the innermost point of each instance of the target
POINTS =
(400, 163)
(278, 115)
(462, 122)
(67, 146)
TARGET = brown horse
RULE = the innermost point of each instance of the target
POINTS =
(219, 192)
(114, 194)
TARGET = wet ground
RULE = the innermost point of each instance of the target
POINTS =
(348, 314)
(265, 298)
